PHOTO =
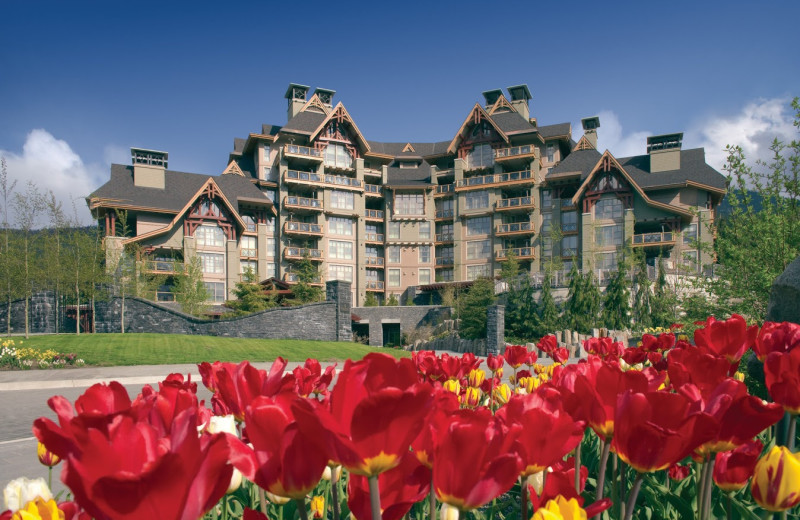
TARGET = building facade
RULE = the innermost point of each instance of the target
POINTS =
(389, 216)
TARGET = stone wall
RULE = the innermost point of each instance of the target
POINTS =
(784, 300)
(409, 318)
(42, 315)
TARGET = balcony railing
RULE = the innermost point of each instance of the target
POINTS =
(248, 252)
(514, 151)
(445, 188)
(299, 253)
(302, 227)
(444, 260)
(163, 266)
(374, 260)
(444, 237)
(373, 188)
(374, 237)
(444, 213)
(293, 278)
(372, 171)
(497, 178)
(644, 239)
(515, 202)
(296, 175)
(519, 252)
(302, 202)
(305, 151)
(374, 214)
(569, 227)
(375, 285)
(567, 203)
(515, 227)
(339, 180)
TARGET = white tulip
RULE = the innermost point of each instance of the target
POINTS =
(20, 491)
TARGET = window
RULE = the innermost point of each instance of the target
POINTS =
(445, 275)
(270, 195)
(394, 230)
(271, 272)
(479, 226)
(569, 221)
(394, 278)
(424, 254)
(479, 249)
(270, 222)
(608, 208)
(444, 255)
(606, 261)
(338, 156)
(477, 271)
(547, 199)
(212, 263)
(270, 246)
(409, 204)
(690, 235)
(265, 153)
(551, 153)
(477, 199)
(249, 222)
(408, 164)
(569, 246)
(608, 235)
(209, 236)
(340, 250)
(424, 276)
(341, 199)
(216, 291)
(340, 226)
(249, 265)
(690, 259)
(481, 156)
(248, 246)
(547, 223)
(547, 247)
(425, 230)
(444, 208)
(394, 254)
(340, 272)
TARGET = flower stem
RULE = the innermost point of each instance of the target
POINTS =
(708, 488)
(374, 497)
(335, 493)
(225, 507)
(577, 468)
(637, 484)
(523, 498)
(792, 429)
(602, 476)
(50, 477)
(700, 488)
(728, 511)
(301, 508)
(491, 510)
(432, 501)
(262, 499)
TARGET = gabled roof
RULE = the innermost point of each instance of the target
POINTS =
(583, 144)
(398, 149)
(512, 123)
(475, 114)
(557, 130)
(340, 112)
(578, 163)
(501, 104)
(270, 129)
(304, 123)
(693, 170)
(233, 169)
(418, 177)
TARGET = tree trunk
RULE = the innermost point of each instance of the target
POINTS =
(77, 309)
(8, 315)
(122, 315)
(27, 316)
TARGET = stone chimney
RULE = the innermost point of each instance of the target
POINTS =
(325, 96)
(296, 95)
(590, 126)
(491, 97)
(148, 168)
(520, 98)
(665, 152)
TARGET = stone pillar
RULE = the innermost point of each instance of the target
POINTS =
(495, 329)
(42, 308)
(338, 291)
(784, 300)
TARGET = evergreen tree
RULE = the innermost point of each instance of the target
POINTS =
(642, 311)
(664, 300)
(250, 296)
(473, 306)
(583, 301)
(549, 317)
(521, 314)
(371, 300)
(307, 273)
(189, 288)
(392, 301)
(616, 301)
(572, 306)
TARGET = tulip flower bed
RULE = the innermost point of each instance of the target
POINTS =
(662, 430)
(13, 356)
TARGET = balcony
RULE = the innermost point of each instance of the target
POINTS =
(444, 237)
(341, 181)
(373, 171)
(567, 204)
(515, 228)
(248, 253)
(375, 285)
(163, 266)
(515, 203)
(375, 261)
(302, 228)
(373, 190)
(569, 227)
(444, 213)
(301, 177)
(304, 153)
(373, 214)
(292, 278)
(526, 151)
(374, 237)
(521, 253)
(505, 179)
(664, 238)
(302, 203)
(299, 253)
(444, 189)
(445, 261)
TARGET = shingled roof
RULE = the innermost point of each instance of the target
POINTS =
(559, 129)
(420, 176)
(512, 123)
(420, 149)
(693, 168)
(304, 122)
(582, 161)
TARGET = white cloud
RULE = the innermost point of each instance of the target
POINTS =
(52, 165)
(753, 128)
(610, 136)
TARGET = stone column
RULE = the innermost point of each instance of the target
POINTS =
(784, 299)
(495, 329)
(338, 291)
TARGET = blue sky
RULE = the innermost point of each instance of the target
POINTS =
(81, 82)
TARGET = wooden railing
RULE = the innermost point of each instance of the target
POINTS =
(644, 239)
(302, 227)
(515, 202)
(496, 178)
(302, 202)
(504, 153)
(374, 237)
(514, 227)
(374, 213)
(303, 150)
(519, 252)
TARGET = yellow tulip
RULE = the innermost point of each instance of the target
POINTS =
(476, 377)
(560, 509)
(38, 509)
(776, 480)
(502, 393)
(452, 385)
(472, 397)
(47, 457)
(318, 506)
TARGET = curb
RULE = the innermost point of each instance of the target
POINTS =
(82, 383)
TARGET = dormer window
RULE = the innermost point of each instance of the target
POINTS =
(338, 156)
(408, 164)
(482, 130)
(481, 156)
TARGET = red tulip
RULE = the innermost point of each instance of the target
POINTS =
(660, 343)
(548, 432)
(475, 460)
(287, 458)
(732, 469)
(654, 430)
(515, 355)
(427, 364)
(561, 481)
(729, 339)
(237, 385)
(560, 355)
(634, 355)
(777, 337)
(469, 362)
(495, 362)
(692, 365)
(444, 405)
(782, 379)
(548, 344)
(119, 466)
(400, 488)
(677, 472)
(309, 378)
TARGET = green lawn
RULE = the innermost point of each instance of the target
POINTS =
(160, 349)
